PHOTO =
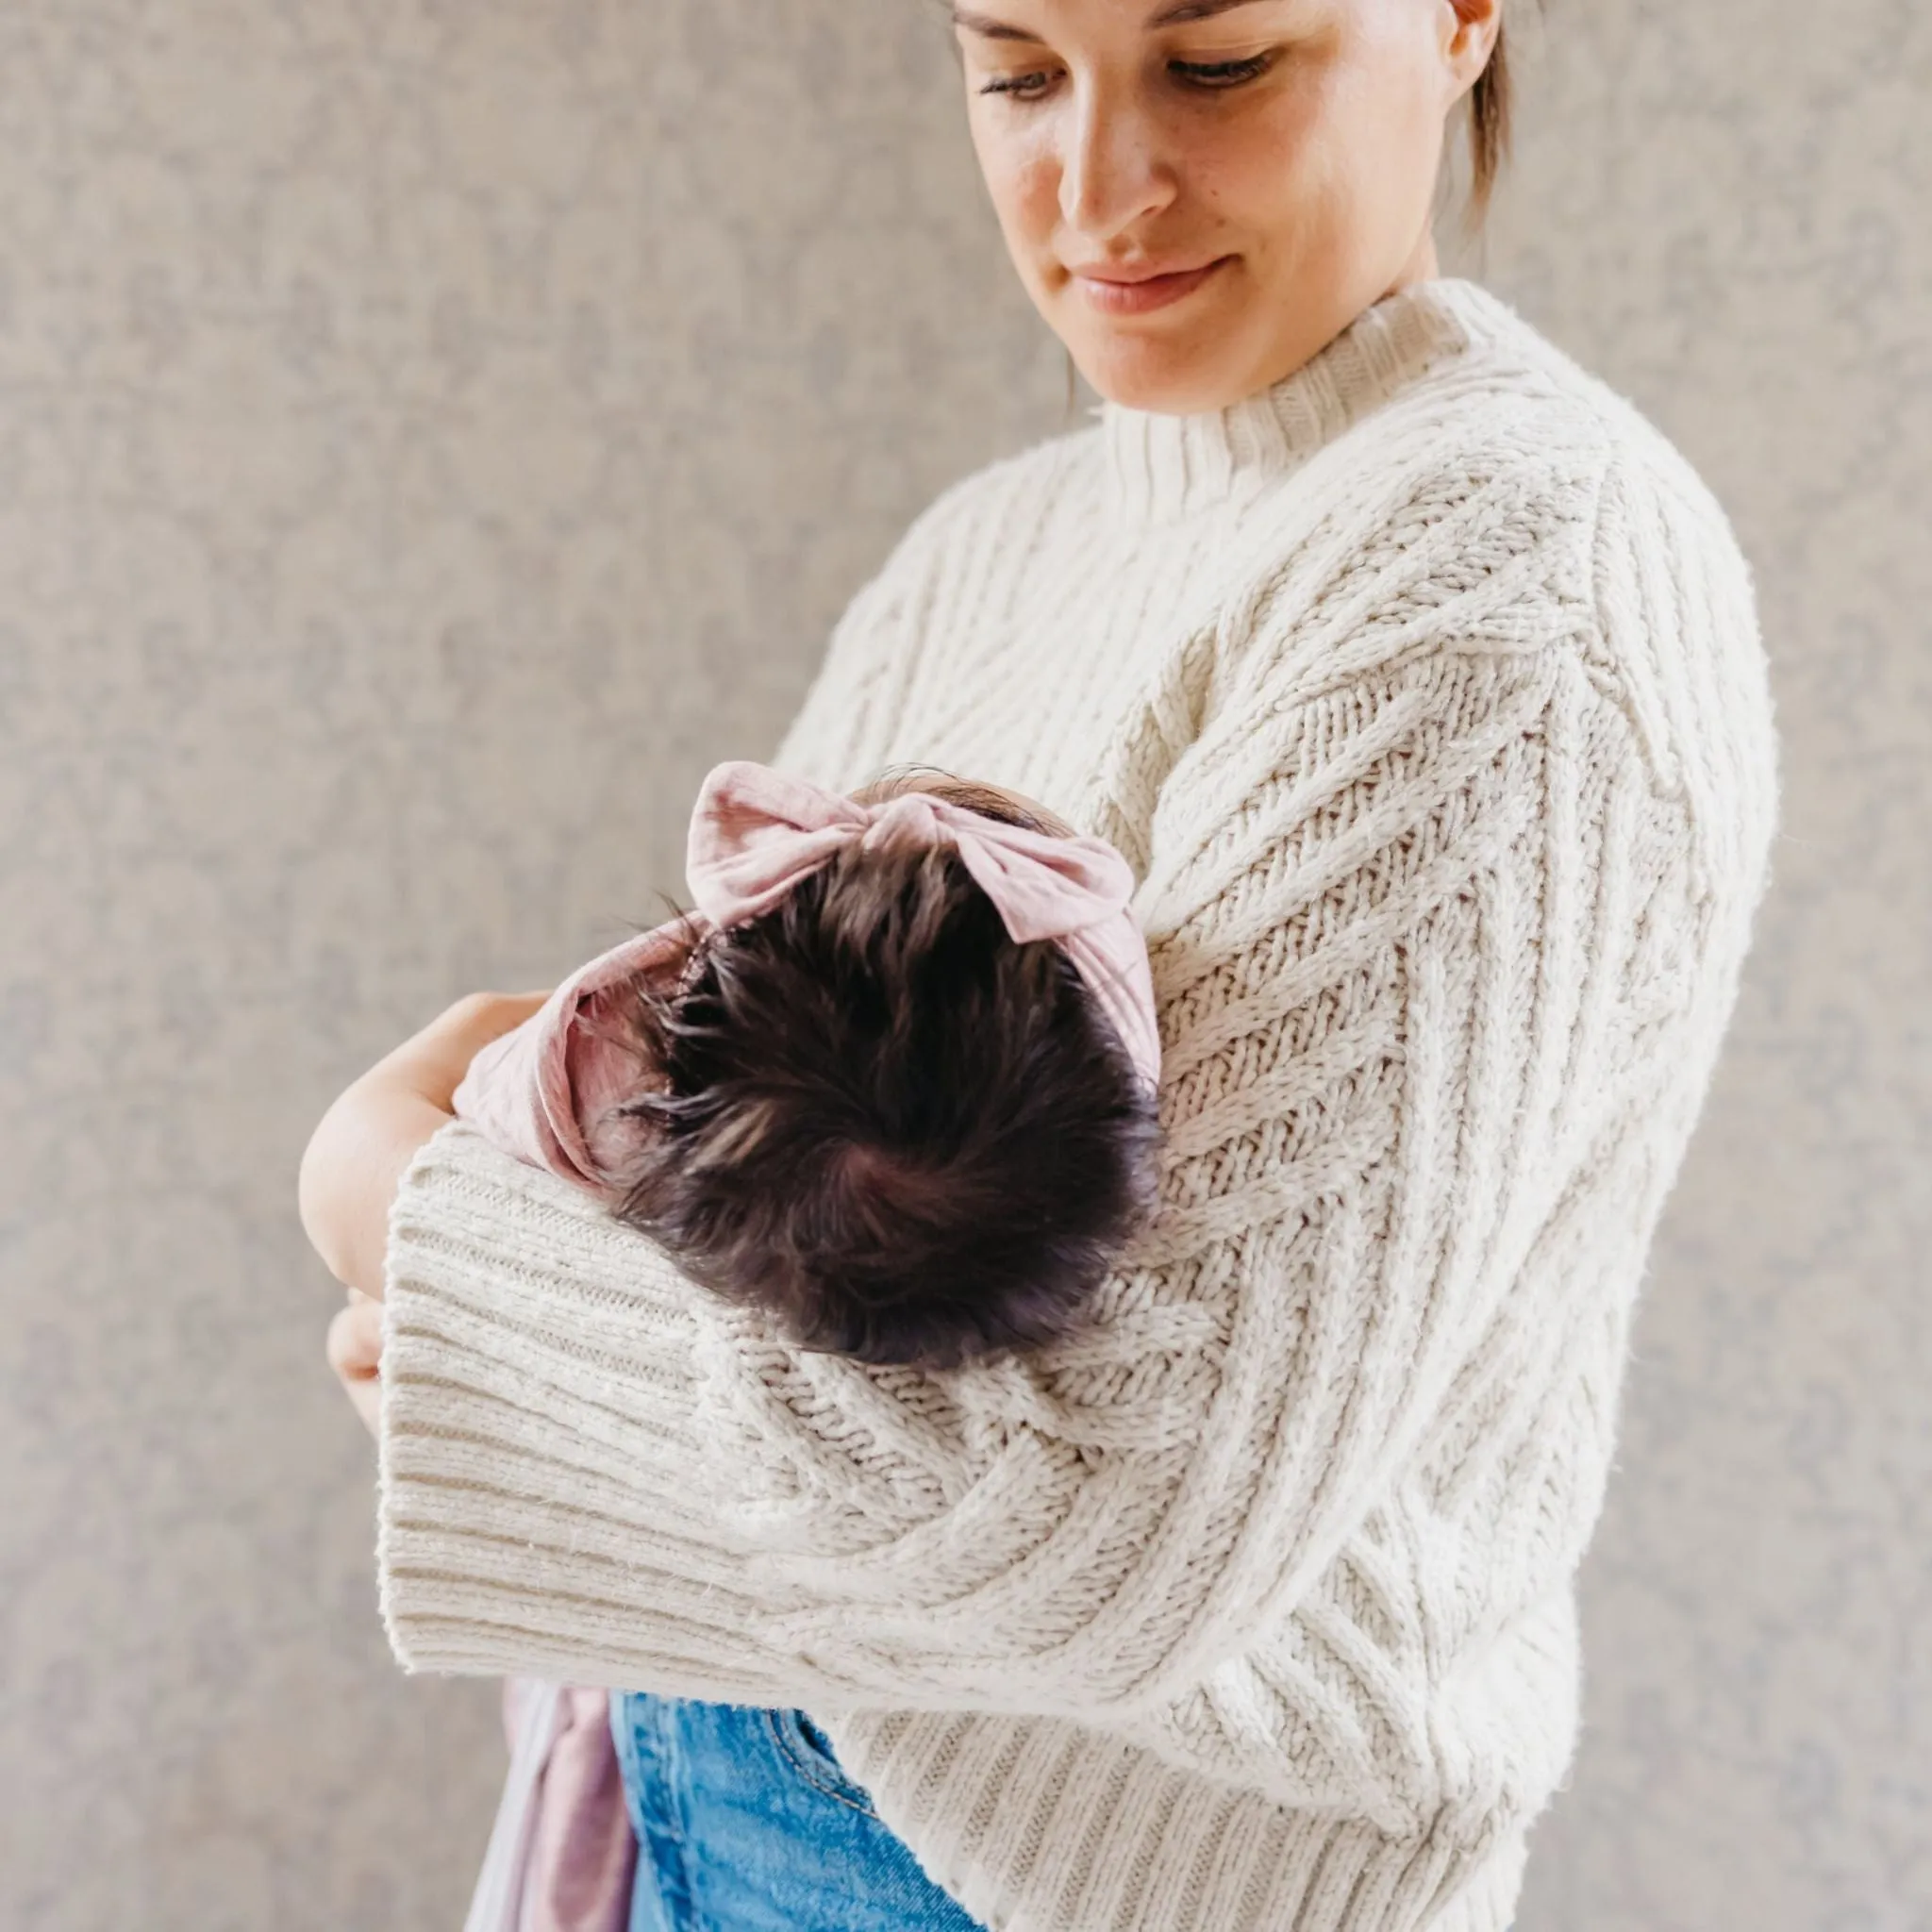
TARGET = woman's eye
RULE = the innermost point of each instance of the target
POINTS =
(1210, 76)
(1019, 87)
(1222, 74)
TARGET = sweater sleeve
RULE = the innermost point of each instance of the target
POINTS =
(1397, 907)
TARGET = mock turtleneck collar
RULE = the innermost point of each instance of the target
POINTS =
(1166, 466)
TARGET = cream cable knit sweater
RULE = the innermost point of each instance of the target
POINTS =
(1425, 693)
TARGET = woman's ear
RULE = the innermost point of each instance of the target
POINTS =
(1469, 31)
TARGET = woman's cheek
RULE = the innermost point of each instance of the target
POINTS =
(1023, 176)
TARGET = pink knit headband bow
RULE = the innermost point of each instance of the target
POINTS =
(754, 835)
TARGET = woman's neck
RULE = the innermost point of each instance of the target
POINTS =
(1164, 466)
(1422, 266)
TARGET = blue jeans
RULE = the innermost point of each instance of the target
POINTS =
(747, 1823)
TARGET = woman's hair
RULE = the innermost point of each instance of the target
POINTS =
(1490, 105)
(876, 1115)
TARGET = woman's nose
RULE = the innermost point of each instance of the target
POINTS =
(1112, 172)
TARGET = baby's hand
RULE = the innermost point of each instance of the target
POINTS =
(355, 1352)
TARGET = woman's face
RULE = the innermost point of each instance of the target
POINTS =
(1198, 196)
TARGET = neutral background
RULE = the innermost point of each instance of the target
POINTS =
(430, 432)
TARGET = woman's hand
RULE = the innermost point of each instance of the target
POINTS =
(355, 1352)
(357, 1155)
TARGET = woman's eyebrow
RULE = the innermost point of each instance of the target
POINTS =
(969, 21)
(1198, 10)
(989, 29)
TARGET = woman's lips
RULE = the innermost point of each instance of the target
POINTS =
(1151, 292)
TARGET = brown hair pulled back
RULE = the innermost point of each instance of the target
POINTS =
(1490, 106)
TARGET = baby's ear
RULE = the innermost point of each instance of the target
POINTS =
(536, 1091)
(605, 1065)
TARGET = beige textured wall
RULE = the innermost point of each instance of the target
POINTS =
(429, 434)
(1724, 209)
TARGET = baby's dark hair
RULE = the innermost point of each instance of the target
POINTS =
(874, 1113)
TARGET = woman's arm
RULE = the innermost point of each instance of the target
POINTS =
(582, 1452)
(1440, 978)
(588, 1463)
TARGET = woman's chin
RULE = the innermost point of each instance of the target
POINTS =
(1165, 372)
(1172, 381)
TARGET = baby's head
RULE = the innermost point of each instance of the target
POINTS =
(875, 1113)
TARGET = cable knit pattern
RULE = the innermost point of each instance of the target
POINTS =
(1423, 692)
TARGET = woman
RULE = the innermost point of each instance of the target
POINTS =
(1420, 681)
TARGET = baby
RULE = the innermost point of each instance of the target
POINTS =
(893, 1082)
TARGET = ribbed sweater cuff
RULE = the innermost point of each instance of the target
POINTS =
(542, 1497)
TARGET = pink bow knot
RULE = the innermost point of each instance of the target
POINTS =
(756, 833)
(909, 816)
